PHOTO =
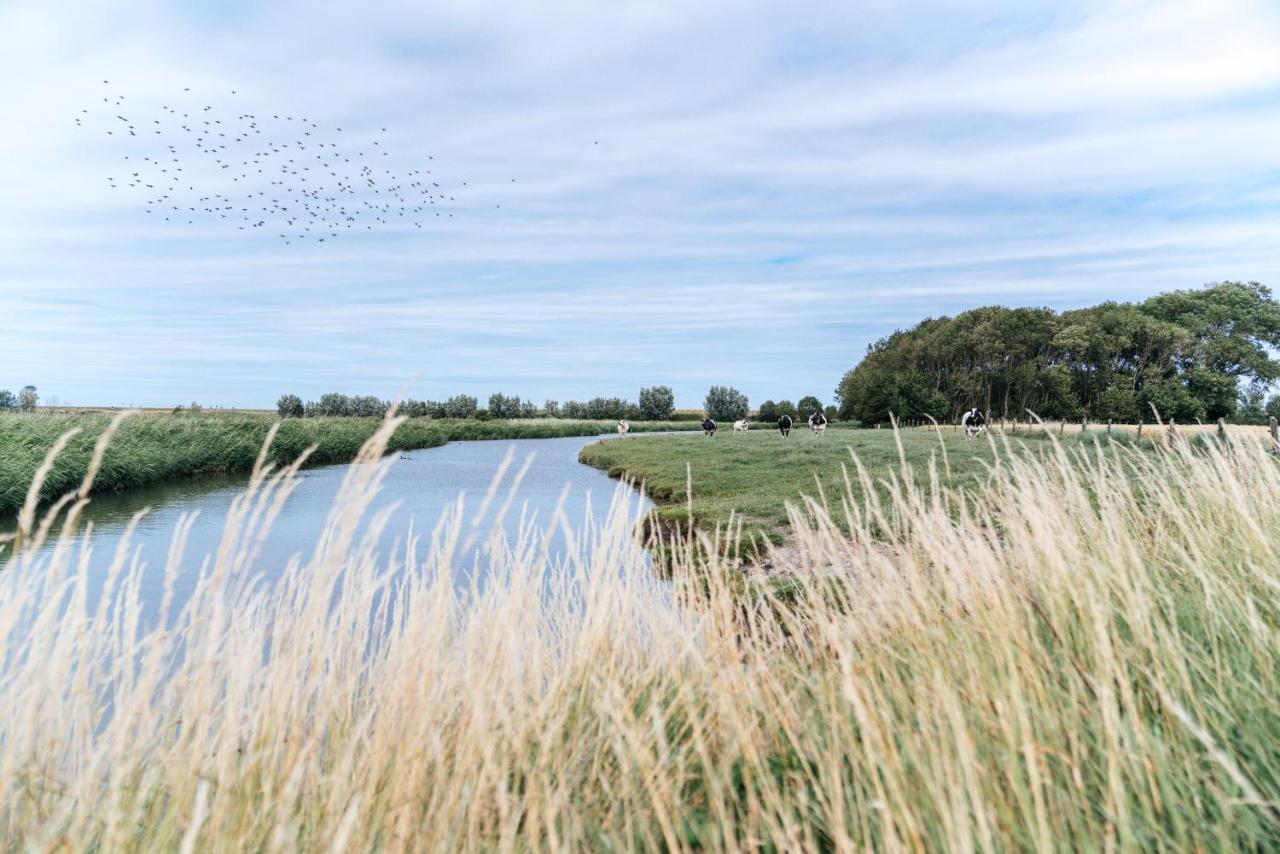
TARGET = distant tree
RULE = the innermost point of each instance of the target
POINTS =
(369, 406)
(551, 409)
(725, 403)
(1251, 408)
(809, 405)
(334, 405)
(1273, 406)
(411, 408)
(606, 408)
(502, 406)
(196, 407)
(573, 409)
(786, 407)
(289, 406)
(656, 403)
(28, 398)
(8, 400)
(832, 412)
(768, 411)
(460, 406)
(528, 409)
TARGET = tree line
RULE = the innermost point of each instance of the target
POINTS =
(655, 403)
(1205, 353)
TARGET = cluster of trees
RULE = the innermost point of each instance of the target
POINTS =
(771, 411)
(1205, 353)
(656, 403)
(26, 399)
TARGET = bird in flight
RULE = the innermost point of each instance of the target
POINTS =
(263, 172)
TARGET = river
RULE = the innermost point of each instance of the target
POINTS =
(425, 483)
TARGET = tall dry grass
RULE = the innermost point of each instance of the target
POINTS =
(1087, 656)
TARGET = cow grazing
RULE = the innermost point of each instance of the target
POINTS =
(974, 423)
(741, 426)
(818, 422)
(708, 427)
(784, 426)
(624, 427)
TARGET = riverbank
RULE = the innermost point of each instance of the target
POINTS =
(151, 448)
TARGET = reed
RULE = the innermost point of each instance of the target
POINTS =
(1087, 657)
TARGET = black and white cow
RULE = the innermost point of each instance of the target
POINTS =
(708, 427)
(784, 426)
(974, 423)
(817, 422)
(742, 425)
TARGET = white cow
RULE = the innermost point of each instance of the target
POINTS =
(741, 426)
(624, 427)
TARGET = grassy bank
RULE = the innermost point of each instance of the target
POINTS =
(151, 447)
(751, 477)
(1102, 674)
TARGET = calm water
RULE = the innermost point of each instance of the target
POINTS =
(425, 483)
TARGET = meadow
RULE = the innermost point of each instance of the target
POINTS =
(152, 447)
(1074, 663)
(744, 482)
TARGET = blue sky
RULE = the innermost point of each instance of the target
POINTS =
(775, 186)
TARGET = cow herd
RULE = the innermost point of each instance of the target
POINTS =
(973, 422)
(817, 424)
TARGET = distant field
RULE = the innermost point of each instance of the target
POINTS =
(151, 447)
(750, 477)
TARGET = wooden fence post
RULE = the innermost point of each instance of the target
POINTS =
(1222, 428)
(1274, 427)
(1062, 425)
(1108, 428)
(1173, 432)
(1084, 423)
(1139, 428)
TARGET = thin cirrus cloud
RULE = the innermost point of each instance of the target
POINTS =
(707, 193)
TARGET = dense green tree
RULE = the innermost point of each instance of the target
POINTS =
(725, 403)
(768, 411)
(8, 400)
(1185, 354)
(809, 405)
(460, 406)
(289, 406)
(657, 403)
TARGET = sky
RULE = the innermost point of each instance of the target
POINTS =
(705, 193)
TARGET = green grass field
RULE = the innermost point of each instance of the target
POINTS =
(751, 477)
(152, 447)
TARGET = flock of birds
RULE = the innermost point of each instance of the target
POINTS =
(282, 175)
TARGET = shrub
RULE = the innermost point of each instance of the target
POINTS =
(725, 403)
(289, 406)
(768, 411)
(8, 400)
(656, 403)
